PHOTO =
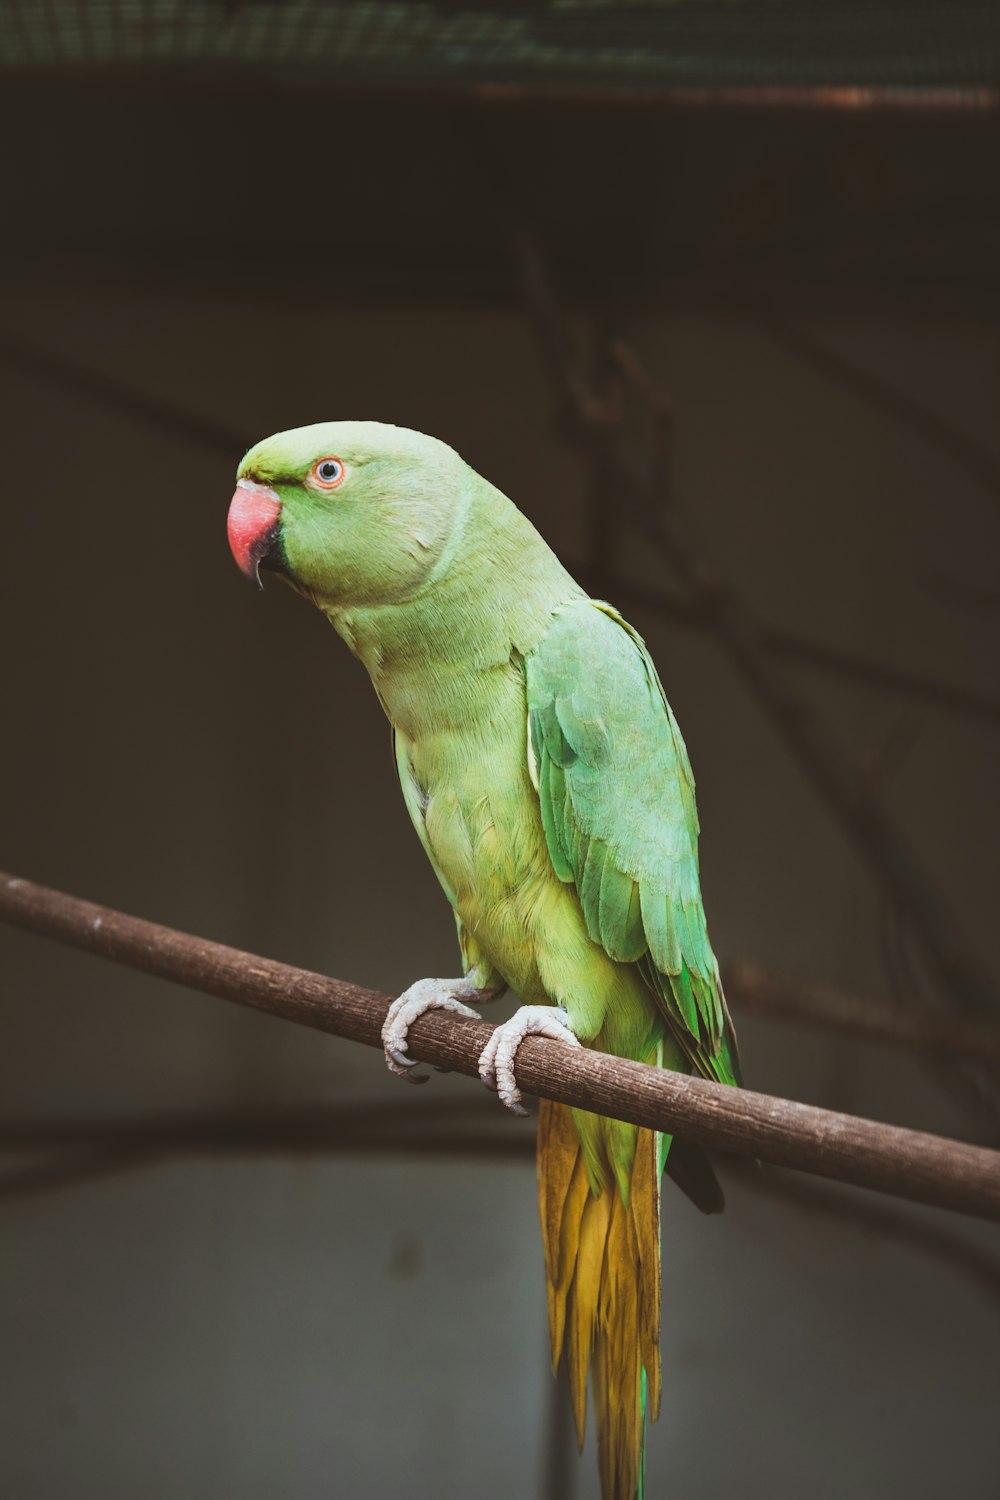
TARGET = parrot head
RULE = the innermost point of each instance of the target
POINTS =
(351, 513)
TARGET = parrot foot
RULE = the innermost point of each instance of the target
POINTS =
(496, 1063)
(425, 995)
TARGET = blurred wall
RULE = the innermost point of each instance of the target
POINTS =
(186, 749)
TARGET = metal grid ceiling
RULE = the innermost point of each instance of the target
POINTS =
(713, 44)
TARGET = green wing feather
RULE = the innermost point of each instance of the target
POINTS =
(618, 808)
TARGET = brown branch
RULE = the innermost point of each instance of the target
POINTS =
(762, 992)
(905, 1163)
(863, 816)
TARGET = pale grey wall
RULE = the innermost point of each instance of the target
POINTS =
(181, 747)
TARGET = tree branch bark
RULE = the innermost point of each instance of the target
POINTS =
(904, 1163)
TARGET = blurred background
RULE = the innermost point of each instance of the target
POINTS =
(765, 236)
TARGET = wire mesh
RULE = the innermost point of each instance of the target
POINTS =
(695, 43)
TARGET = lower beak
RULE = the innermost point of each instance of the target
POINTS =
(254, 528)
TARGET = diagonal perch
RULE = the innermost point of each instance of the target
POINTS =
(906, 1163)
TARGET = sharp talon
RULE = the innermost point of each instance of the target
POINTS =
(496, 1061)
(407, 1008)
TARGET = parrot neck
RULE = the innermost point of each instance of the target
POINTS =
(491, 601)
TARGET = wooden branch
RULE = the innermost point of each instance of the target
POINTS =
(762, 992)
(814, 744)
(905, 1163)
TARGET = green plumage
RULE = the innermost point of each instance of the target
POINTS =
(550, 788)
(617, 805)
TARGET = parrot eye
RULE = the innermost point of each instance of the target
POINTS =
(328, 473)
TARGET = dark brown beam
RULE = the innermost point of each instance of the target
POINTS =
(629, 96)
(749, 99)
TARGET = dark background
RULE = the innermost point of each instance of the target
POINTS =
(213, 231)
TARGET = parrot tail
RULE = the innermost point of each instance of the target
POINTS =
(602, 1265)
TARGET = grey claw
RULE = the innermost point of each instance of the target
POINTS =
(424, 995)
(496, 1061)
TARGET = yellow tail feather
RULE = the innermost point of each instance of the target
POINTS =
(602, 1269)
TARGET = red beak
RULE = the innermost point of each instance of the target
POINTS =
(253, 529)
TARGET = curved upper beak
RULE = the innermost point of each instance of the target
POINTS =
(254, 526)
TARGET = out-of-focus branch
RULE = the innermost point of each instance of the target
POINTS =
(75, 1151)
(789, 646)
(757, 991)
(456, 1126)
(865, 819)
(128, 400)
(905, 1163)
(966, 454)
(872, 1216)
(121, 396)
(82, 1151)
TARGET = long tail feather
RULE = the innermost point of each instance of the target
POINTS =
(602, 1262)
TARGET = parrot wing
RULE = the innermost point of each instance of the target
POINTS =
(618, 808)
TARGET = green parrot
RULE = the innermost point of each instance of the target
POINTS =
(549, 785)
